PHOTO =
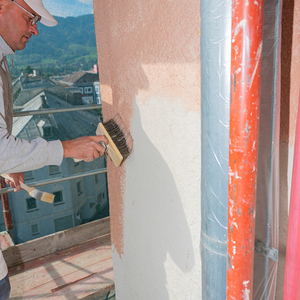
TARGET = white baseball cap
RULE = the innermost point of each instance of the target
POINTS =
(38, 7)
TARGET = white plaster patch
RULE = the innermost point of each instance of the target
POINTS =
(163, 180)
(258, 59)
(243, 25)
(235, 224)
(246, 291)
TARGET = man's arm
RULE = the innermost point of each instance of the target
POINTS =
(86, 148)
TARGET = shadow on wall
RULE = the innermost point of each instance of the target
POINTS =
(156, 226)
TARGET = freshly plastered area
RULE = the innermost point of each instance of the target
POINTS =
(161, 206)
(149, 69)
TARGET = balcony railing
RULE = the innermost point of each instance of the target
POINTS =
(58, 180)
(54, 111)
(5, 203)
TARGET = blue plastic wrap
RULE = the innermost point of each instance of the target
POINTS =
(215, 95)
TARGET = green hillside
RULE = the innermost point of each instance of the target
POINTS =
(70, 45)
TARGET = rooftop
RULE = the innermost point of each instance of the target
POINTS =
(80, 77)
(86, 121)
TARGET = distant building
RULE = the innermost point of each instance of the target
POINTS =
(87, 82)
(77, 201)
(30, 83)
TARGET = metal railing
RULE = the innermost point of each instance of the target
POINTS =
(4, 190)
(58, 180)
(54, 111)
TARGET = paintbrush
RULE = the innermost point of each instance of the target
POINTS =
(33, 192)
(120, 142)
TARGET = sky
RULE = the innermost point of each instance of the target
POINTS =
(68, 8)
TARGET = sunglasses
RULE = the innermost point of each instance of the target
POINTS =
(35, 19)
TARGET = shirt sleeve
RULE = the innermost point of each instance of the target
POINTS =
(18, 155)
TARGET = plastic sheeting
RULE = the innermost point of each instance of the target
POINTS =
(267, 205)
(215, 95)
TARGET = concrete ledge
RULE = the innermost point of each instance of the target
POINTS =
(40, 247)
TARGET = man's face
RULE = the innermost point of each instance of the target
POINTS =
(15, 24)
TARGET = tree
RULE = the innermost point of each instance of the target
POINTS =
(29, 70)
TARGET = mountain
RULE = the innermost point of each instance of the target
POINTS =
(71, 42)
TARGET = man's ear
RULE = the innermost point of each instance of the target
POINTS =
(2, 5)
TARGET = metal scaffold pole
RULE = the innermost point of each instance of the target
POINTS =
(246, 53)
(6, 210)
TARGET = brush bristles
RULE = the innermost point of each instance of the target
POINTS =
(48, 197)
(36, 194)
(119, 135)
(39, 195)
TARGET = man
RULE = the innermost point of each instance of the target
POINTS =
(18, 19)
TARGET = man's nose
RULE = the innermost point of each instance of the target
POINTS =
(33, 29)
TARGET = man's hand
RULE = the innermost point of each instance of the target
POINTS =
(86, 148)
(15, 184)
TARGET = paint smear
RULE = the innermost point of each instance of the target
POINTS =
(246, 291)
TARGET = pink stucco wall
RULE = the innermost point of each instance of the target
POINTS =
(149, 65)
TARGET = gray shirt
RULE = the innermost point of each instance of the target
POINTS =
(17, 155)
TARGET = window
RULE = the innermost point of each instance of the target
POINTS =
(63, 223)
(35, 229)
(79, 191)
(98, 100)
(88, 90)
(47, 132)
(31, 204)
(96, 178)
(101, 199)
(45, 128)
(54, 170)
(97, 89)
(88, 100)
(98, 208)
(28, 175)
(58, 199)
